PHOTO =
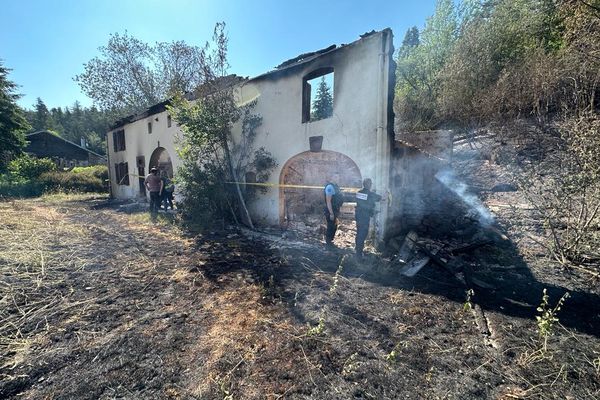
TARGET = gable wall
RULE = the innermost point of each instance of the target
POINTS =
(138, 142)
(360, 106)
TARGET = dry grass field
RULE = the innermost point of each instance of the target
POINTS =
(100, 304)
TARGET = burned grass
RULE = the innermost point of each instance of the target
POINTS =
(102, 304)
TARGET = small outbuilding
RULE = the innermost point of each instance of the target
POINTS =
(66, 154)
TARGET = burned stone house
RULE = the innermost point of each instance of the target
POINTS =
(66, 154)
(355, 140)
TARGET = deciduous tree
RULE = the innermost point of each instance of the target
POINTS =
(213, 162)
(420, 61)
(130, 74)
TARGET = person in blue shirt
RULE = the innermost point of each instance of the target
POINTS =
(333, 203)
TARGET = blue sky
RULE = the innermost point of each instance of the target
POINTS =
(46, 43)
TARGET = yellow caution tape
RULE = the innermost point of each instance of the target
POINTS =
(279, 185)
(265, 184)
(347, 189)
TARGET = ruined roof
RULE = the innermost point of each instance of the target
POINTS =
(233, 79)
(305, 57)
(203, 90)
(310, 56)
(64, 140)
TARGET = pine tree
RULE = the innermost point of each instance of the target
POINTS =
(323, 104)
(13, 124)
(411, 40)
(41, 118)
(57, 118)
(73, 123)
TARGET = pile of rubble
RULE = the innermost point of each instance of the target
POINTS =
(415, 252)
(446, 240)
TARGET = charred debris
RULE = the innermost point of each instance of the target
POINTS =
(436, 219)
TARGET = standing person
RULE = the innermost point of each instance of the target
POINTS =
(168, 189)
(154, 185)
(365, 209)
(333, 202)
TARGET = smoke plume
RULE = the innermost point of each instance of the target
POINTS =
(449, 179)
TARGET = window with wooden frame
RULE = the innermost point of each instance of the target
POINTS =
(317, 94)
(122, 173)
(119, 140)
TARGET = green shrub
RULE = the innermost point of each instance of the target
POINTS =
(26, 168)
(25, 181)
(100, 171)
(21, 189)
(72, 181)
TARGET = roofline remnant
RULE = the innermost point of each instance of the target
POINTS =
(282, 68)
(227, 81)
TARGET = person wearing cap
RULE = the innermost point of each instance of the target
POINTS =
(154, 185)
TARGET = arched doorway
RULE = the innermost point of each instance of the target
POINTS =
(162, 160)
(312, 169)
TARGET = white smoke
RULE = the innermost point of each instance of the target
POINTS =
(449, 179)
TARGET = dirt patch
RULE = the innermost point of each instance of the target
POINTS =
(98, 304)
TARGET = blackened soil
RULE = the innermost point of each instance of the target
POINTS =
(144, 312)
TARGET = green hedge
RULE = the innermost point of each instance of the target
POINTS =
(21, 189)
(26, 168)
(80, 179)
(70, 181)
(98, 171)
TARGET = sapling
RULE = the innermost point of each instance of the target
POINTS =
(547, 320)
(468, 305)
(392, 356)
(336, 278)
(318, 329)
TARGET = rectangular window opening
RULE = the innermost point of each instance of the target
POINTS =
(168, 121)
(318, 95)
(119, 140)
(122, 173)
(149, 127)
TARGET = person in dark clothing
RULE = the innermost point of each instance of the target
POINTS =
(168, 189)
(365, 209)
(154, 185)
(333, 203)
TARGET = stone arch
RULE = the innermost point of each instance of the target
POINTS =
(312, 168)
(161, 159)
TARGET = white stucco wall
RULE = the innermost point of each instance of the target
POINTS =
(360, 106)
(138, 142)
(358, 127)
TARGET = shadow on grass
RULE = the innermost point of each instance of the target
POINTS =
(516, 292)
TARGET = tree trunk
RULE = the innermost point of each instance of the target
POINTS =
(245, 217)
